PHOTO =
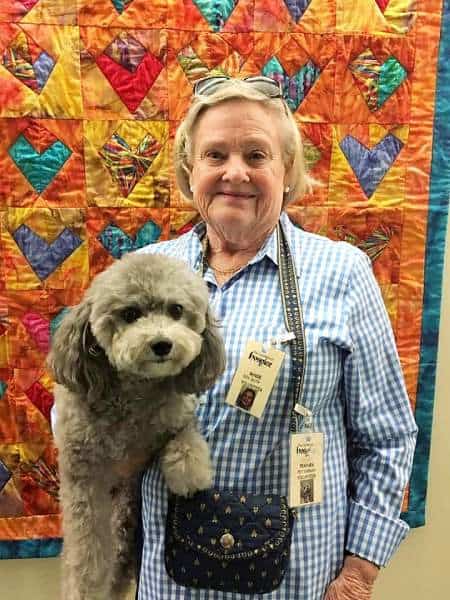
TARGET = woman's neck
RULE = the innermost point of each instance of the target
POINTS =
(231, 247)
(226, 257)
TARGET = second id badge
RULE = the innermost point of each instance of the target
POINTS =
(255, 378)
(306, 469)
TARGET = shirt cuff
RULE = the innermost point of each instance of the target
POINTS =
(373, 536)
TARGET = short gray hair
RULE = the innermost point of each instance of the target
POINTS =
(297, 178)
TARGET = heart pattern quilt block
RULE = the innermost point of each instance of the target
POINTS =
(28, 62)
(130, 69)
(128, 165)
(377, 80)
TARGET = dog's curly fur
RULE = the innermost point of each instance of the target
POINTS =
(128, 360)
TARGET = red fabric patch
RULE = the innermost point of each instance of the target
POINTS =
(131, 87)
(41, 398)
(29, 3)
(39, 137)
(382, 4)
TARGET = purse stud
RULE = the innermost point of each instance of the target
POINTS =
(227, 541)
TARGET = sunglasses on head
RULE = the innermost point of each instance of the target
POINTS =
(267, 86)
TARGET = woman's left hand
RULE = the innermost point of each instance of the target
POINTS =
(354, 582)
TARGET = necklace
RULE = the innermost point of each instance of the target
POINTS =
(227, 271)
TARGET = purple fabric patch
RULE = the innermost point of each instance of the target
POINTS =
(43, 67)
(297, 8)
(5, 475)
(45, 258)
(126, 51)
(370, 166)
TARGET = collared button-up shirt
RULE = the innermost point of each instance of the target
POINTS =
(353, 386)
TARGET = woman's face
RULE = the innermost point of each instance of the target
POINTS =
(247, 398)
(237, 176)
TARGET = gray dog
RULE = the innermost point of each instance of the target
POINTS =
(127, 361)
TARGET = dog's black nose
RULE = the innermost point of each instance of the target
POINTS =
(161, 348)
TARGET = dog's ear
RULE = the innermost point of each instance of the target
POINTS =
(209, 364)
(76, 360)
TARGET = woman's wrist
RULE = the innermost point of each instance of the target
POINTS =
(367, 570)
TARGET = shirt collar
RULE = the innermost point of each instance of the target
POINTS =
(269, 248)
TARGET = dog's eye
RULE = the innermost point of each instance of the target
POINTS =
(131, 314)
(175, 311)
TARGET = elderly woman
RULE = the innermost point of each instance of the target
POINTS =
(239, 159)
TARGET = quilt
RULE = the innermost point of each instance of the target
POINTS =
(91, 94)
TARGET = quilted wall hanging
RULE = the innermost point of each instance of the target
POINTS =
(90, 97)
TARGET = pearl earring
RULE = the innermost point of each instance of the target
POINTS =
(287, 189)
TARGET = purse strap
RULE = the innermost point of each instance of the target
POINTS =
(293, 316)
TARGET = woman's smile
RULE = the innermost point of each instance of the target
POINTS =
(235, 195)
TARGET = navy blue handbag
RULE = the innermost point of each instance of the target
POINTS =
(232, 543)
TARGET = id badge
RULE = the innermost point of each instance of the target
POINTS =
(255, 378)
(306, 469)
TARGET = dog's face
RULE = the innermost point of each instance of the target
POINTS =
(145, 316)
(148, 314)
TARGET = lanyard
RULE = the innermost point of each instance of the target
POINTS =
(293, 319)
(293, 316)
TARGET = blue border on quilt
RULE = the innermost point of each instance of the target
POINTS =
(39, 548)
(434, 263)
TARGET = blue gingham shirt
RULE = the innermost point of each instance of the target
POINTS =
(354, 387)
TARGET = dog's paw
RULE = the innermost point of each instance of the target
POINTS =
(186, 463)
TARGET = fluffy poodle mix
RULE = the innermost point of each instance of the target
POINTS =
(128, 361)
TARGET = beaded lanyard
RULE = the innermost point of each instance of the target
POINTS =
(292, 309)
(293, 318)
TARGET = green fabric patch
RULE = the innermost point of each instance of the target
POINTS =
(392, 75)
(216, 12)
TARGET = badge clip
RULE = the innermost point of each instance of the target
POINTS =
(276, 341)
(306, 414)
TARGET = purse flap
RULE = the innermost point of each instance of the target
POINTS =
(228, 526)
